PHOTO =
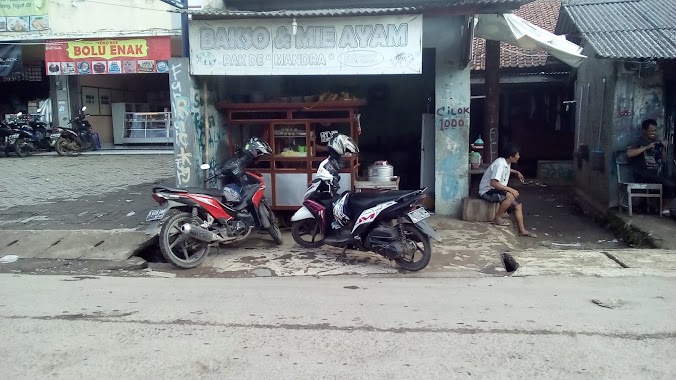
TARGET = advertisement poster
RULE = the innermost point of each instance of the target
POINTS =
(24, 15)
(90, 98)
(315, 46)
(111, 56)
(11, 60)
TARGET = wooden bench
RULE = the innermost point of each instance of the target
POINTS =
(478, 210)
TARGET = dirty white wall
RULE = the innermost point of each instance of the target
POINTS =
(611, 122)
(104, 18)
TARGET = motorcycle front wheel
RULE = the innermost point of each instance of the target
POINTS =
(307, 227)
(21, 147)
(179, 249)
(274, 230)
(419, 256)
(65, 147)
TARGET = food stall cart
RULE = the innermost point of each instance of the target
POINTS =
(298, 133)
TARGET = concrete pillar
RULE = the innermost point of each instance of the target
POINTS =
(187, 155)
(492, 101)
(452, 88)
(62, 100)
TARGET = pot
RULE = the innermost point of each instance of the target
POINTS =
(381, 171)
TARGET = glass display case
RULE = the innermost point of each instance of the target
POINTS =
(298, 134)
(137, 123)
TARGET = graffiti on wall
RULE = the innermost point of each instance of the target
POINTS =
(555, 172)
(183, 126)
(453, 117)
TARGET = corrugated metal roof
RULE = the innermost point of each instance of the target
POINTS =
(223, 13)
(409, 6)
(625, 28)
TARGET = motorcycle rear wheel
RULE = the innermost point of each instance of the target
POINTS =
(424, 253)
(307, 227)
(63, 147)
(178, 249)
(21, 147)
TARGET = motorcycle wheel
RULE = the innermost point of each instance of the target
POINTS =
(21, 148)
(423, 254)
(178, 249)
(307, 227)
(63, 147)
(274, 230)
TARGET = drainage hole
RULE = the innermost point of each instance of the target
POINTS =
(510, 263)
(12, 243)
(99, 243)
(56, 242)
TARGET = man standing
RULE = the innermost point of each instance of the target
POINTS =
(646, 157)
(493, 188)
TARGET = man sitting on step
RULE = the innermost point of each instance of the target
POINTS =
(493, 188)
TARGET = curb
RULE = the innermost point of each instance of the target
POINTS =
(630, 233)
(75, 266)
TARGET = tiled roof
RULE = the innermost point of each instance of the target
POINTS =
(543, 13)
(624, 28)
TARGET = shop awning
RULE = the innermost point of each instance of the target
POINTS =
(516, 31)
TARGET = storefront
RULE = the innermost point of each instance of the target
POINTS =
(123, 82)
(295, 78)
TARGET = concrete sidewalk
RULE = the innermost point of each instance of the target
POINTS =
(92, 208)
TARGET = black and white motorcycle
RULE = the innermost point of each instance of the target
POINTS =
(392, 223)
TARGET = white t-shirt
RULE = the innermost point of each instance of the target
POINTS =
(500, 170)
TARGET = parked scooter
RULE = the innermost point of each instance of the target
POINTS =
(22, 141)
(7, 129)
(72, 141)
(391, 223)
(209, 216)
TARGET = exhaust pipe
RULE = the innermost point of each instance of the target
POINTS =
(199, 233)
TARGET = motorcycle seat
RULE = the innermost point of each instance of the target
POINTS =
(359, 202)
(193, 190)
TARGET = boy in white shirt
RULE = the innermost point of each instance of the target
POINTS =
(493, 188)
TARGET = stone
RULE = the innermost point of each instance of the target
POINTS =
(478, 210)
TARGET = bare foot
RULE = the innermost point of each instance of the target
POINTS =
(527, 234)
(500, 222)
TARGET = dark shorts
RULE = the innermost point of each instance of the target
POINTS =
(668, 186)
(498, 196)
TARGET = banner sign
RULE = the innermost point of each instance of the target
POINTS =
(314, 46)
(11, 60)
(23, 15)
(113, 56)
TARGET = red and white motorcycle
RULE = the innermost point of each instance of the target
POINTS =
(204, 217)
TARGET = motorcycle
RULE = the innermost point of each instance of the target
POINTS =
(43, 134)
(7, 129)
(392, 223)
(22, 140)
(76, 139)
(205, 217)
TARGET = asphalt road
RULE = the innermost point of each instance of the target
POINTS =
(336, 328)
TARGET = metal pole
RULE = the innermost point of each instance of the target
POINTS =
(184, 30)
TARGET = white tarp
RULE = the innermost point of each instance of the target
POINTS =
(516, 31)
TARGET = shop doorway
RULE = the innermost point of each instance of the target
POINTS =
(391, 119)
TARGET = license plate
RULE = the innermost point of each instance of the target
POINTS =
(55, 135)
(418, 215)
(156, 214)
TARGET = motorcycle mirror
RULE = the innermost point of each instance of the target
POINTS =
(205, 167)
(19, 114)
(84, 108)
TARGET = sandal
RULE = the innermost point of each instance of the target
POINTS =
(528, 234)
(502, 223)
